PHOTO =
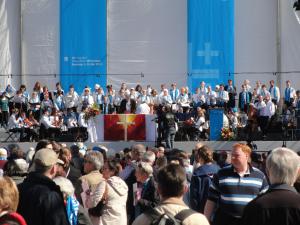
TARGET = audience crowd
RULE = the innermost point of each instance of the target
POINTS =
(56, 185)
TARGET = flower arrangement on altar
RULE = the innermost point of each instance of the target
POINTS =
(91, 112)
(227, 134)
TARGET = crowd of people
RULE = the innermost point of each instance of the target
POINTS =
(56, 185)
(58, 110)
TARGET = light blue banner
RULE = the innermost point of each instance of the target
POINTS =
(83, 43)
(215, 124)
(210, 42)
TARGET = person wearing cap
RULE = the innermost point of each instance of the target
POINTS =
(87, 99)
(41, 201)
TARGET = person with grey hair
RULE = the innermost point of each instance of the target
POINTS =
(77, 215)
(146, 195)
(149, 157)
(93, 162)
(280, 205)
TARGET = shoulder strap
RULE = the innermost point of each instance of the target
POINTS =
(153, 214)
(183, 214)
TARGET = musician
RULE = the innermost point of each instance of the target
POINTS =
(203, 89)
(274, 92)
(166, 98)
(198, 99)
(211, 97)
(58, 89)
(29, 125)
(143, 98)
(46, 103)
(59, 101)
(232, 93)
(81, 121)
(71, 119)
(244, 99)
(18, 100)
(183, 100)
(15, 124)
(223, 97)
(71, 99)
(48, 126)
(264, 92)
(25, 95)
(10, 93)
(174, 92)
(45, 92)
(99, 98)
(4, 109)
(118, 99)
(86, 98)
(263, 115)
(289, 94)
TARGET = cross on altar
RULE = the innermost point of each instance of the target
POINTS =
(125, 123)
(207, 53)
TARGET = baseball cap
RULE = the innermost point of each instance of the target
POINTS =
(46, 157)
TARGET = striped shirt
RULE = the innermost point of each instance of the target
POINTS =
(232, 192)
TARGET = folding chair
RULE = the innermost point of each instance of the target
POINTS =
(13, 136)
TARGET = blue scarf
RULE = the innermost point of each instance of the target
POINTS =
(287, 94)
(72, 210)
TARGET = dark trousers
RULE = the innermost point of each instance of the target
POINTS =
(222, 218)
(263, 122)
(4, 118)
(169, 137)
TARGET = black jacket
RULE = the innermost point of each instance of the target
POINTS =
(280, 205)
(41, 201)
(149, 196)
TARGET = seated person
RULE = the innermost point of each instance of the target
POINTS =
(51, 129)
(15, 123)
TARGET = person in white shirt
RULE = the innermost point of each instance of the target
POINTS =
(203, 89)
(223, 97)
(247, 85)
(81, 121)
(166, 98)
(263, 115)
(274, 92)
(48, 129)
(258, 88)
(143, 108)
(154, 101)
(118, 99)
(87, 99)
(270, 107)
(198, 99)
(143, 98)
(211, 97)
(183, 99)
(174, 92)
(71, 99)
(264, 92)
(15, 124)
(289, 94)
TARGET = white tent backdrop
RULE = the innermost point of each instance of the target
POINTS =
(40, 41)
(10, 42)
(255, 40)
(149, 37)
(290, 44)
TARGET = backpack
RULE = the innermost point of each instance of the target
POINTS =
(166, 219)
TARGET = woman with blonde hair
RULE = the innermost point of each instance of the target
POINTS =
(9, 199)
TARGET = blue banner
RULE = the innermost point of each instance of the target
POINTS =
(210, 42)
(82, 43)
(215, 124)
